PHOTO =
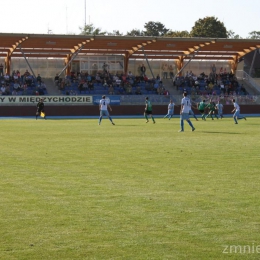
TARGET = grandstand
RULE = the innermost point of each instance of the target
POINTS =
(84, 73)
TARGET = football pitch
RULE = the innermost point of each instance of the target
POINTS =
(71, 189)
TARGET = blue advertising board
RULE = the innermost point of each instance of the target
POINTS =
(114, 100)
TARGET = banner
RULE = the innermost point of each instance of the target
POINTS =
(114, 100)
(53, 100)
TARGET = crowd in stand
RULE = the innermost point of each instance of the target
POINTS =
(111, 84)
(216, 83)
(21, 84)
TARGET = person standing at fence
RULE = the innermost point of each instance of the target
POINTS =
(142, 70)
(103, 105)
(236, 109)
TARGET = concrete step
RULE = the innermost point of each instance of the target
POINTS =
(168, 84)
(51, 88)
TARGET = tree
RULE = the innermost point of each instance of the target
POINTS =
(209, 27)
(115, 33)
(171, 33)
(232, 35)
(254, 35)
(89, 29)
(155, 29)
(135, 32)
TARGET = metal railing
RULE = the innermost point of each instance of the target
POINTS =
(164, 100)
(242, 75)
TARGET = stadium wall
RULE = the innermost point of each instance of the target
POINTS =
(92, 110)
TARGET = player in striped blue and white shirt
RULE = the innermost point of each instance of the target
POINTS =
(103, 105)
(170, 110)
(236, 109)
(184, 113)
(219, 107)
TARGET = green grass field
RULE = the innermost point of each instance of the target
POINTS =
(70, 189)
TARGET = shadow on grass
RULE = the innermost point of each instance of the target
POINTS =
(229, 133)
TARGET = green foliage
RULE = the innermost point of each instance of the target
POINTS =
(232, 35)
(135, 32)
(115, 33)
(155, 29)
(89, 29)
(254, 35)
(209, 27)
(71, 189)
(177, 34)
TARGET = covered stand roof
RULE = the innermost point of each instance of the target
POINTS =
(59, 46)
(63, 46)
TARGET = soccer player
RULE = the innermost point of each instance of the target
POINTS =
(40, 109)
(103, 105)
(170, 110)
(212, 109)
(237, 111)
(219, 107)
(148, 110)
(184, 113)
(201, 107)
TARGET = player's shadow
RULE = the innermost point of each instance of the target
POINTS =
(228, 133)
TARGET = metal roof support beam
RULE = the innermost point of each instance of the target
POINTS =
(173, 79)
(27, 61)
(252, 64)
(148, 62)
(75, 54)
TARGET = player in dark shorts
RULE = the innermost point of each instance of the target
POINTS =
(40, 108)
(201, 107)
(212, 110)
(148, 110)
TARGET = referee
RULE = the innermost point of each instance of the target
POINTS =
(40, 109)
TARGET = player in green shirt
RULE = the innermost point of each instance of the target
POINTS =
(201, 107)
(212, 109)
(148, 110)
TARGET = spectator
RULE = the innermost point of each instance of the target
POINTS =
(171, 71)
(111, 90)
(129, 89)
(57, 79)
(130, 74)
(90, 85)
(85, 86)
(138, 90)
(17, 86)
(165, 70)
(39, 79)
(3, 88)
(105, 68)
(7, 78)
(105, 85)
(142, 70)
(80, 87)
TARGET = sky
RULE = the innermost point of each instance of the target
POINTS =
(66, 16)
